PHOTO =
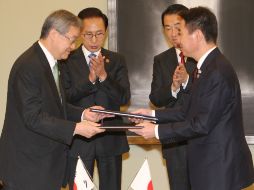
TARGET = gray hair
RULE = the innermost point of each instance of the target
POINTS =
(60, 20)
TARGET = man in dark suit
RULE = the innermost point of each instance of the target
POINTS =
(163, 93)
(96, 76)
(211, 117)
(36, 132)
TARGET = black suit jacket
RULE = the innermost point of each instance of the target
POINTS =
(163, 69)
(35, 133)
(218, 155)
(110, 94)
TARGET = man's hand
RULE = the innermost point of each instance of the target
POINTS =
(87, 129)
(93, 116)
(181, 74)
(147, 132)
(175, 84)
(97, 64)
(147, 112)
(92, 75)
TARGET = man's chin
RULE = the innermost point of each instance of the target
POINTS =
(176, 45)
(65, 56)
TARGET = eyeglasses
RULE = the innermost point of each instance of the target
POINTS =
(72, 40)
(89, 36)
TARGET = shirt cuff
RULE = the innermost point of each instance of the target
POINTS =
(156, 131)
(174, 93)
(83, 116)
(153, 113)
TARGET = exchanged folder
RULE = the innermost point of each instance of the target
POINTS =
(121, 128)
(125, 114)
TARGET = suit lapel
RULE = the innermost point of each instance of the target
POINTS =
(48, 73)
(172, 59)
(108, 60)
(81, 62)
(205, 68)
(209, 60)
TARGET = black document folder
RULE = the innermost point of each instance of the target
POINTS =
(125, 114)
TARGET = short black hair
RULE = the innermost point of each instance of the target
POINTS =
(93, 12)
(203, 19)
(173, 9)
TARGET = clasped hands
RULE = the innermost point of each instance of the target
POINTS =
(180, 77)
(97, 69)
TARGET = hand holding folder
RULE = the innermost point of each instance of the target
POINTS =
(135, 118)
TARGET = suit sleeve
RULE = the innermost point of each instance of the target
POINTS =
(160, 91)
(116, 85)
(74, 113)
(213, 103)
(33, 108)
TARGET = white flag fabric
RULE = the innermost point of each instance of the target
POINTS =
(82, 180)
(143, 180)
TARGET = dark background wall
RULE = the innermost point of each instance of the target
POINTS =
(139, 37)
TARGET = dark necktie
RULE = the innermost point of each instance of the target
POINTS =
(182, 58)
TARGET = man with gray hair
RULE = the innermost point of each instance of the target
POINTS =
(39, 124)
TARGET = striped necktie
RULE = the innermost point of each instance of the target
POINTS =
(182, 58)
(90, 56)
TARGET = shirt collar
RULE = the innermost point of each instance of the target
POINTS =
(86, 53)
(178, 51)
(202, 59)
(52, 61)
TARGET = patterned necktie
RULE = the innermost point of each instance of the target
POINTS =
(182, 58)
(56, 77)
(90, 56)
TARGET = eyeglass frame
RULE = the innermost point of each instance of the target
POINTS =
(72, 41)
(89, 36)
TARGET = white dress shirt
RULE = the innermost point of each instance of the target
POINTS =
(87, 53)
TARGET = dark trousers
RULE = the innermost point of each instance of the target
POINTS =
(109, 169)
(176, 161)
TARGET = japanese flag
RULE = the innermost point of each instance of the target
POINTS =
(143, 180)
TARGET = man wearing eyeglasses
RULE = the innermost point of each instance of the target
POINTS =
(39, 124)
(96, 76)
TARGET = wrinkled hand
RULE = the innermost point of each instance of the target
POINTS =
(93, 116)
(97, 65)
(87, 129)
(147, 132)
(147, 112)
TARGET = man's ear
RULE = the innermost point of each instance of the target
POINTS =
(53, 33)
(199, 35)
